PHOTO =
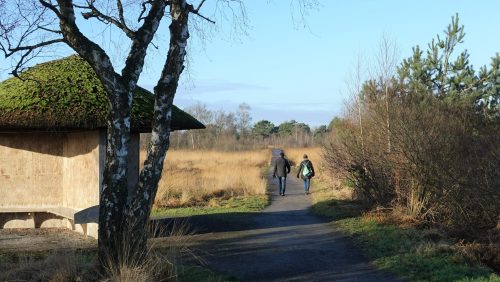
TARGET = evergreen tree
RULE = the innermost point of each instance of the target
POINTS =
(437, 73)
(263, 128)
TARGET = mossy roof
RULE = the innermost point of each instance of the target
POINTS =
(66, 94)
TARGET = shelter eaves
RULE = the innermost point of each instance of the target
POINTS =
(66, 94)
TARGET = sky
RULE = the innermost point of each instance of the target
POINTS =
(287, 70)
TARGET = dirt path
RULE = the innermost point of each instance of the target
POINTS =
(283, 243)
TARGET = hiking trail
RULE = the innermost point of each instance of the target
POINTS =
(284, 242)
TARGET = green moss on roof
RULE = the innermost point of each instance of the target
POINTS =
(66, 94)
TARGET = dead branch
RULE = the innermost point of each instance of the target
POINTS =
(144, 9)
(51, 7)
(196, 12)
(96, 13)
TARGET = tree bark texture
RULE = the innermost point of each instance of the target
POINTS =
(114, 238)
(114, 186)
(123, 214)
(141, 202)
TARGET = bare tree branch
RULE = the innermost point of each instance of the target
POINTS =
(20, 34)
(303, 8)
(140, 42)
(96, 13)
(24, 58)
(120, 12)
(36, 46)
(144, 9)
(199, 6)
(50, 30)
(196, 12)
(51, 7)
(87, 49)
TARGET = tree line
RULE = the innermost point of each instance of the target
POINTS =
(233, 131)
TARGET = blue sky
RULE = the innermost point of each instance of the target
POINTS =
(288, 72)
(285, 72)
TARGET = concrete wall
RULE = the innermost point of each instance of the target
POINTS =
(47, 169)
(42, 174)
(46, 177)
(30, 169)
(81, 173)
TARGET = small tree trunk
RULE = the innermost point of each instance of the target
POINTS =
(114, 189)
(360, 120)
(387, 119)
(140, 206)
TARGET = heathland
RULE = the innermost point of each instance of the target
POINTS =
(204, 182)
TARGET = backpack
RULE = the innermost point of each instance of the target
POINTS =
(306, 171)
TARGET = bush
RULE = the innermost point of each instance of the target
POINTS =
(425, 141)
(442, 167)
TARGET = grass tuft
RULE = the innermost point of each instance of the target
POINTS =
(398, 244)
(53, 266)
(412, 254)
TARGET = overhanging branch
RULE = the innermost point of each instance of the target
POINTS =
(50, 7)
(144, 9)
(96, 13)
(199, 6)
(35, 46)
(197, 12)
(25, 56)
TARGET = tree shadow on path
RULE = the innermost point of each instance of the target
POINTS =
(283, 242)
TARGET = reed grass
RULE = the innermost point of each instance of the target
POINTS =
(295, 155)
(196, 178)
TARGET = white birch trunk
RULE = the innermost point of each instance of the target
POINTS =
(139, 208)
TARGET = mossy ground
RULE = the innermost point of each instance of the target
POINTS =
(409, 254)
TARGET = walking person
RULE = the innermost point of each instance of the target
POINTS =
(281, 169)
(306, 172)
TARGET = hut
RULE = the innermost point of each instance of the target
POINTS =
(52, 145)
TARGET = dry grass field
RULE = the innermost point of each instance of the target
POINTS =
(202, 178)
(314, 155)
(323, 186)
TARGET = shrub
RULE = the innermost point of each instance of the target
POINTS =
(425, 141)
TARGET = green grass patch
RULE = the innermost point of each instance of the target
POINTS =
(412, 254)
(338, 209)
(408, 253)
(232, 205)
(328, 202)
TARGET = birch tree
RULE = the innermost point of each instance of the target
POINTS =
(28, 28)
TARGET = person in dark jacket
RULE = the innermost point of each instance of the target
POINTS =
(306, 172)
(281, 169)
